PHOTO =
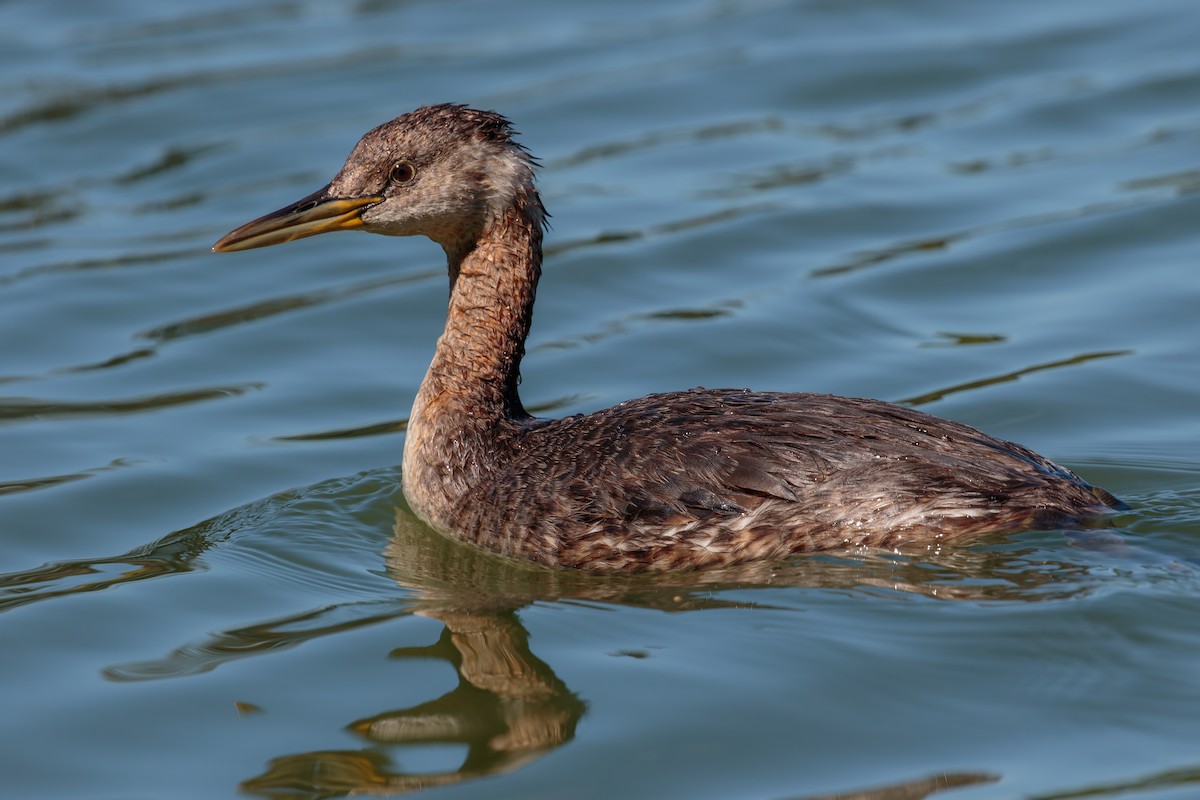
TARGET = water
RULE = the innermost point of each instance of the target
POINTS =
(212, 585)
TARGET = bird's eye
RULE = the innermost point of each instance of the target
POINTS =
(403, 172)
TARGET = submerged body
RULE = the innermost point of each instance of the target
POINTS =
(669, 481)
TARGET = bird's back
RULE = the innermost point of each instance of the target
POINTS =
(708, 477)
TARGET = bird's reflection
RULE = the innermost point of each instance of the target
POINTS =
(509, 707)
(911, 790)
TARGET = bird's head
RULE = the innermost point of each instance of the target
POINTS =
(445, 172)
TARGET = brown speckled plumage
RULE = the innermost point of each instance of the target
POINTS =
(669, 481)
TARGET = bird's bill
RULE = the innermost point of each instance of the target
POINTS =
(317, 213)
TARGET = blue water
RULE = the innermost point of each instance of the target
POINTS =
(211, 585)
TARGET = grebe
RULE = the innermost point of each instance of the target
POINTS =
(698, 478)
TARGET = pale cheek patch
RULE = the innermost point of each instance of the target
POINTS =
(505, 178)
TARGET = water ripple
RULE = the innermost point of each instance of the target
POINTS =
(85, 98)
(876, 257)
(1006, 377)
(278, 305)
(1162, 781)
(23, 408)
(261, 639)
(48, 481)
(139, 257)
(658, 139)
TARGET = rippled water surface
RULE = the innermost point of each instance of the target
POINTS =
(211, 585)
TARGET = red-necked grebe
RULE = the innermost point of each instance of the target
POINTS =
(689, 479)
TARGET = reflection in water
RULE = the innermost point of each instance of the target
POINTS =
(22, 408)
(265, 309)
(884, 255)
(173, 553)
(260, 639)
(611, 149)
(911, 790)
(1159, 781)
(992, 380)
(509, 707)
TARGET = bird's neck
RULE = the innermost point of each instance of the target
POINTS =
(492, 286)
(470, 391)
